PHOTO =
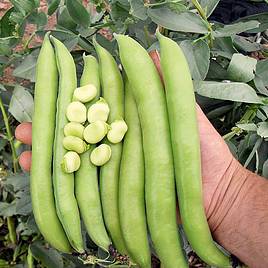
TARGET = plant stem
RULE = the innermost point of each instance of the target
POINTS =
(247, 117)
(203, 15)
(229, 135)
(12, 232)
(155, 4)
(30, 260)
(10, 220)
(9, 136)
(102, 25)
(200, 10)
(26, 45)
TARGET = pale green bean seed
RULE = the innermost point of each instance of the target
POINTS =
(95, 131)
(85, 93)
(98, 111)
(101, 155)
(117, 131)
(71, 162)
(76, 112)
(74, 129)
(76, 144)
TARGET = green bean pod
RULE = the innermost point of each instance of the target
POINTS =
(160, 194)
(63, 183)
(43, 128)
(86, 178)
(113, 93)
(186, 151)
(131, 187)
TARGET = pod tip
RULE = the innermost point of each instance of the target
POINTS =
(157, 33)
(48, 33)
(52, 39)
(95, 43)
(118, 36)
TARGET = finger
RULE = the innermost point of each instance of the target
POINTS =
(25, 160)
(23, 133)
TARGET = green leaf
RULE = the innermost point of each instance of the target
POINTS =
(23, 202)
(262, 116)
(197, 55)
(65, 20)
(23, 6)
(261, 77)
(232, 148)
(52, 6)
(49, 257)
(21, 104)
(243, 43)
(38, 18)
(239, 27)
(177, 7)
(265, 169)
(71, 42)
(209, 6)
(247, 127)
(7, 209)
(232, 91)
(241, 68)
(78, 12)
(219, 111)
(26, 69)
(6, 26)
(137, 9)
(216, 71)
(264, 108)
(21, 187)
(253, 152)
(143, 34)
(120, 11)
(262, 18)
(223, 46)
(5, 48)
(36, 3)
(95, 16)
(23, 229)
(262, 130)
(3, 143)
(184, 22)
(17, 17)
(18, 181)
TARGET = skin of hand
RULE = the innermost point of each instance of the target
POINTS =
(234, 198)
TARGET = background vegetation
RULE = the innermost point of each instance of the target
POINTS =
(228, 62)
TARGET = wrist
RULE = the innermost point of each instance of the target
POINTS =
(228, 194)
(239, 221)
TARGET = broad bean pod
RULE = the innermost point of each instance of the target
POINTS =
(131, 187)
(113, 93)
(86, 178)
(66, 204)
(43, 128)
(186, 151)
